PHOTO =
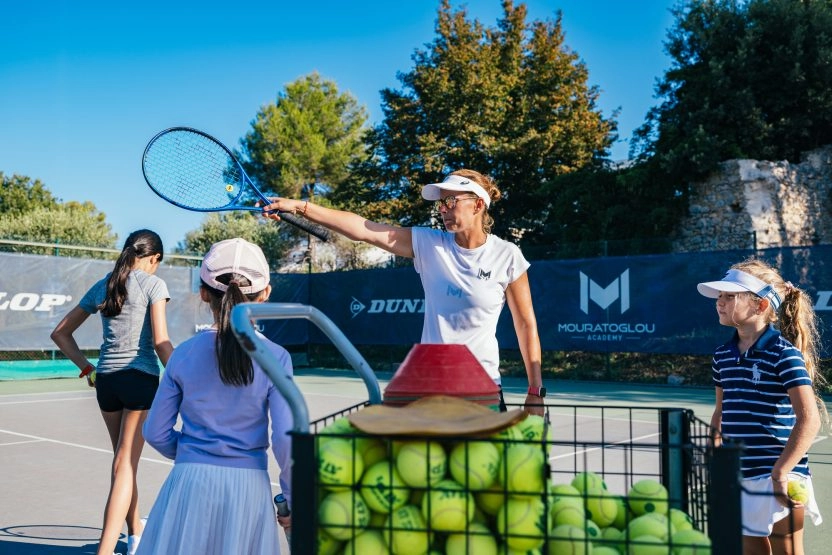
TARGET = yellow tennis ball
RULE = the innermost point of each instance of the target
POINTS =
(421, 463)
(490, 500)
(604, 550)
(648, 545)
(368, 542)
(405, 532)
(327, 545)
(522, 469)
(372, 450)
(339, 462)
(612, 537)
(522, 523)
(448, 507)
(593, 531)
(476, 540)
(647, 496)
(343, 514)
(798, 491)
(690, 542)
(92, 377)
(507, 435)
(623, 514)
(382, 488)
(558, 491)
(601, 507)
(474, 464)
(569, 540)
(680, 519)
(586, 480)
(651, 524)
(531, 428)
(568, 510)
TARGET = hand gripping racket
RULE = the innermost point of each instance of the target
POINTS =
(193, 170)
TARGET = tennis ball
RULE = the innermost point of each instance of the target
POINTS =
(612, 537)
(522, 523)
(690, 542)
(372, 450)
(382, 487)
(421, 463)
(448, 507)
(490, 500)
(405, 532)
(476, 540)
(680, 519)
(327, 545)
(568, 510)
(368, 542)
(531, 428)
(601, 507)
(586, 480)
(569, 540)
(798, 491)
(647, 496)
(342, 514)
(593, 531)
(522, 469)
(604, 550)
(648, 545)
(623, 515)
(377, 520)
(558, 491)
(474, 464)
(91, 377)
(339, 463)
(507, 435)
(651, 524)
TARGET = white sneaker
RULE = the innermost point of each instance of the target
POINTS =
(133, 544)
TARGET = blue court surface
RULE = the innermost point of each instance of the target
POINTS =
(55, 454)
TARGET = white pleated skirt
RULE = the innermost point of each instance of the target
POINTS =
(205, 509)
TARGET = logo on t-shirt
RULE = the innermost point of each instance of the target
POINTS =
(454, 291)
(755, 374)
(483, 274)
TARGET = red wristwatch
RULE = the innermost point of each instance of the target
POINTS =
(88, 369)
(537, 391)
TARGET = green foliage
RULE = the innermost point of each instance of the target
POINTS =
(218, 226)
(749, 80)
(511, 101)
(19, 194)
(310, 136)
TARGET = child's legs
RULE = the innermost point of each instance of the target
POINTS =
(787, 536)
(122, 503)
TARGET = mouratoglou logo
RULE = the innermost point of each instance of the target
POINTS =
(619, 289)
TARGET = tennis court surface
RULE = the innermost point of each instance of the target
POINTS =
(55, 453)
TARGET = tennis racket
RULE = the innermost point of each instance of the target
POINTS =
(193, 170)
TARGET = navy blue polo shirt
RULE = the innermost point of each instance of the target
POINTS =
(756, 409)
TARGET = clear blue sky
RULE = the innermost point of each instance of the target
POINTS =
(84, 85)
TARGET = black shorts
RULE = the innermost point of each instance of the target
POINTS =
(125, 389)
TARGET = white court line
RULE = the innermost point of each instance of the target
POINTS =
(622, 442)
(70, 444)
(19, 442)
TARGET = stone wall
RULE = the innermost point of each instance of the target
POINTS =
(759, 204)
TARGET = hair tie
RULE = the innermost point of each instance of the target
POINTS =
(790, 287)
(233, 282)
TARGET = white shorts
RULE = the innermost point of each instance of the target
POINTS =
(760, 509)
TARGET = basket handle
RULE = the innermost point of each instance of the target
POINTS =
(243, 317)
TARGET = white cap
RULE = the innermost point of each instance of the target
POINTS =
(433, 191)
(736, 281)
(235, 256)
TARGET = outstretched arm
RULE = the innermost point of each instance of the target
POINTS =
(394, 239)
(63, 338)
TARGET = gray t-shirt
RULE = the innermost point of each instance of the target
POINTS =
(128, 337)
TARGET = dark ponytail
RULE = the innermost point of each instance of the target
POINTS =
(234, 362)
(139, 244)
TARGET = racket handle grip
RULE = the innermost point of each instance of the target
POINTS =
(282, 505)
(305, 225)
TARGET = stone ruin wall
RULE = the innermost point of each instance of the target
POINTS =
(760, 204)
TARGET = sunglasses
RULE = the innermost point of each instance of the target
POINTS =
(450, 202)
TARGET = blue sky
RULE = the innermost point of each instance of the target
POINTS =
(83, 87)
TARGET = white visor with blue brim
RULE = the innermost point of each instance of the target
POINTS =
(736, 281)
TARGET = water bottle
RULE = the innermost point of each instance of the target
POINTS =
(283, 510)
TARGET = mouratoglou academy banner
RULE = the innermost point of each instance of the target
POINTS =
(611, 304)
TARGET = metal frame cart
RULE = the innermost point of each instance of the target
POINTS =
(621, 444)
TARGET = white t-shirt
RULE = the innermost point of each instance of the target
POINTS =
(465, 290)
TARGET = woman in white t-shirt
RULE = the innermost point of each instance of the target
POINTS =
(467, 273)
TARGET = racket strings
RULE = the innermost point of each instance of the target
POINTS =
(193, 171)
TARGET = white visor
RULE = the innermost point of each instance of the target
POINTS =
(736, 281)
(433, 191)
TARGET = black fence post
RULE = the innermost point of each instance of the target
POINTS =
(304, 495)
(675, 436)
(724, 507)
